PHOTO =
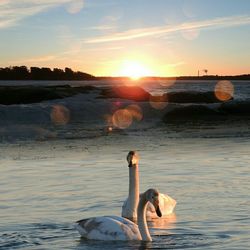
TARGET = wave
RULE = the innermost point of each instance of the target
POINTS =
(192, 97)
(192, 112)
(89, 113)
(236, 107)
(232, 110)
(34, 94)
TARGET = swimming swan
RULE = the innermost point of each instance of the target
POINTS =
(118, 228)
(166, 203)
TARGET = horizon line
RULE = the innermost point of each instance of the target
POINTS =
(124, 76)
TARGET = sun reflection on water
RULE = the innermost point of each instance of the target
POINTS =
(167, 222)
(167, 83)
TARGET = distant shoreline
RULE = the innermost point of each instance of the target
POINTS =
(24, 73)
(208, 77)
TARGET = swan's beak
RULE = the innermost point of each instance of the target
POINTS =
(157, 208)
(130, 165)
(158, 211)
(132, 159)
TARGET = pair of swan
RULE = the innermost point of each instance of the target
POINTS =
(129, 208)
(140, 207)
(119, 228)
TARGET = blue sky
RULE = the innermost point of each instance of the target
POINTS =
(101, 37)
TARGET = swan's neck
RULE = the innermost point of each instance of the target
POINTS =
(141, 218)
(133, 195)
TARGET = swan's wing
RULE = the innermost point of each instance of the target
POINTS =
(122, 220)
(129, 226)
(166, 204)
(108, 228)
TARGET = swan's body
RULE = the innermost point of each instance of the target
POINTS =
(166, 203)
(118, 228)
(108, 228)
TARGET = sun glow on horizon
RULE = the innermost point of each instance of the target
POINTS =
(134, 70)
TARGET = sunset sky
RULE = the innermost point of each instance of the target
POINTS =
(116, 37)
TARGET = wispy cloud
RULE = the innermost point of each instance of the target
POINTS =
(12, 12)
(104, 48)
(100, 27)
(107, 24)
(173, 65)
(163, 30)
(34, 60)
(73, 53)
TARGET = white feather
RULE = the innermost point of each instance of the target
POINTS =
(166, 203)
(118, 228)
(108, 228)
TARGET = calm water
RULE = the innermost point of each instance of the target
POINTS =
(46, 186)
(52, 175)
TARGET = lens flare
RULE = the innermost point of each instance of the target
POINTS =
(224, 90)
(110, 129)
(158, 102)
(135, 111)
(122, 118)
(109, 123)
(59, 115)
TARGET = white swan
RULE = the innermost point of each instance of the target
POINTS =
(166, 203)
(118, 228)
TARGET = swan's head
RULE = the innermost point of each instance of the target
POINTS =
(152, 195)
(132, 159)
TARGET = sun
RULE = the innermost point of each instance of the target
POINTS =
(135, 70)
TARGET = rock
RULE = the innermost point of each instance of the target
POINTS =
(134, 93)
(191, 97)
(193, 113)
(33, 94)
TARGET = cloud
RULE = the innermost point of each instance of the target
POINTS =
(74, 53)
(107, 24)
(75, 6)
(34, 60)
(104, 48)
(174, 65)
(163, 30)
(100, 27)
(12, 12)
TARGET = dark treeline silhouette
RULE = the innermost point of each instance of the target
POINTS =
(44, 73)
(36, 73)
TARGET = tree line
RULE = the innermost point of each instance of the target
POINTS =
(36, 73)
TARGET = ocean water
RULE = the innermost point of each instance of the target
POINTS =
(54, 174)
